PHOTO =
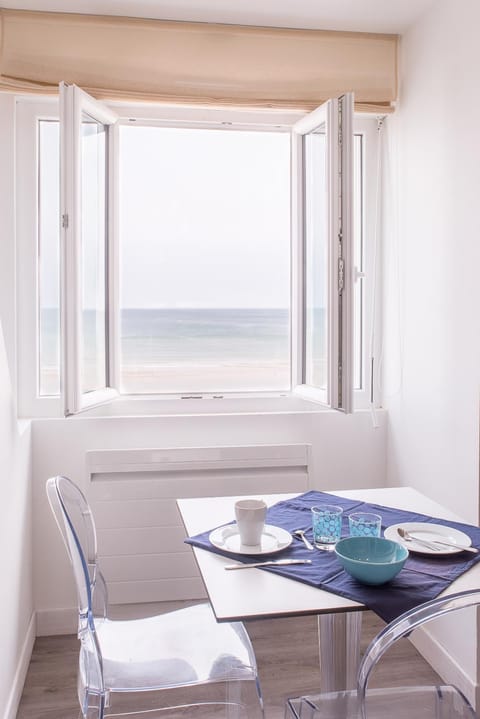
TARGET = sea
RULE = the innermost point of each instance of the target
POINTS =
(186, 349)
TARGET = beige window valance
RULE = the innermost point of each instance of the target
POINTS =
(196, 63)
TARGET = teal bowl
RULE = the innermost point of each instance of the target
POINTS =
(371, 560)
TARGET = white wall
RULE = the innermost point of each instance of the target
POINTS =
(434, 176)
(16, 601)
(432, 338)
(17, 626)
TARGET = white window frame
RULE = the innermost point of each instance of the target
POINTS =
(74, 102)
(29, 111)
(335, 117)
(369, 275)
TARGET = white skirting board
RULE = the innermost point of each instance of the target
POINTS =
(13, 701)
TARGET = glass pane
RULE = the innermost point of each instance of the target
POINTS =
(205, 260)
(358, 261)
(93, 254)
(49, 258)
(315, 261)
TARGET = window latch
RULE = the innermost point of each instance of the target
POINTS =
(65, 221)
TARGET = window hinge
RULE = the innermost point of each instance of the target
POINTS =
(341, 275)
(65, 221)
(358, 274)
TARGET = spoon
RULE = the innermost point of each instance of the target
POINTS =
(300, 534)
(434, 542)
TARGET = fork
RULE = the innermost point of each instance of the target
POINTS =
(408, 538)
(434, 542)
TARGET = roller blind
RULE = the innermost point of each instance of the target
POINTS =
(117, 58)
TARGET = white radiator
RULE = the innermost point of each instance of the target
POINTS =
(140, 533)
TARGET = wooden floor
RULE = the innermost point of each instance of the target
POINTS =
(287, 657)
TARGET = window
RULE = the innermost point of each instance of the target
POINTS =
(48, 258)
(323, 168)
(94, 301)
(86, 154)
(204, 260)
(181, 276)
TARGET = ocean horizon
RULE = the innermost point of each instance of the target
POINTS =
(187, 349)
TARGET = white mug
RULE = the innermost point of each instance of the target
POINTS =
(250, 515)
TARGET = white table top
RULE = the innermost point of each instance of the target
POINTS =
(254, 594)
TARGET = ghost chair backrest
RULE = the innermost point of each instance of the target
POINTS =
(436, 701)
(404, 625)
(75, 522)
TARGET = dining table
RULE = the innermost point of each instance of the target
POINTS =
(257, 594)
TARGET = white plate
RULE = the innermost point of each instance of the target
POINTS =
(429, 532)
(273, 539)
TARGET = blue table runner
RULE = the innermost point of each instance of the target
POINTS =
(423, 577)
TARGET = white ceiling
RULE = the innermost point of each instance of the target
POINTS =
(390, 16)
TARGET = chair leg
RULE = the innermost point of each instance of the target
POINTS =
(95, 707)
(244, 700)
(232, 699)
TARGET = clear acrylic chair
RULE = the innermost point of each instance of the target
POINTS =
(182, 663)
(412, 702)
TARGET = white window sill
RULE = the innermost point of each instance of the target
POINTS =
(148, 407)
(156, 406)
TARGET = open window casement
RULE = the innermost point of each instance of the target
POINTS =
(86, 156)
(322, 303)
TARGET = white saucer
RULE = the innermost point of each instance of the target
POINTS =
(273, 539)
(429, 532)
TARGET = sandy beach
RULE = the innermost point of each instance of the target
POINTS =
(192, 378)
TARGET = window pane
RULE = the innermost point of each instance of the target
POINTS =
(49, 259)
(358, 261)
(205, 260)
(315, 280)
(93, 213)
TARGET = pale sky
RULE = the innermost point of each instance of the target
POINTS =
(204, 217)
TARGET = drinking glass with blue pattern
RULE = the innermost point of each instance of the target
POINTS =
(364, 524)
(327, 525)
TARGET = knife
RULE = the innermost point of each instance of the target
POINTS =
(269, 563)
(461, 547)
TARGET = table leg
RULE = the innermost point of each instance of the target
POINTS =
(339, 649)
